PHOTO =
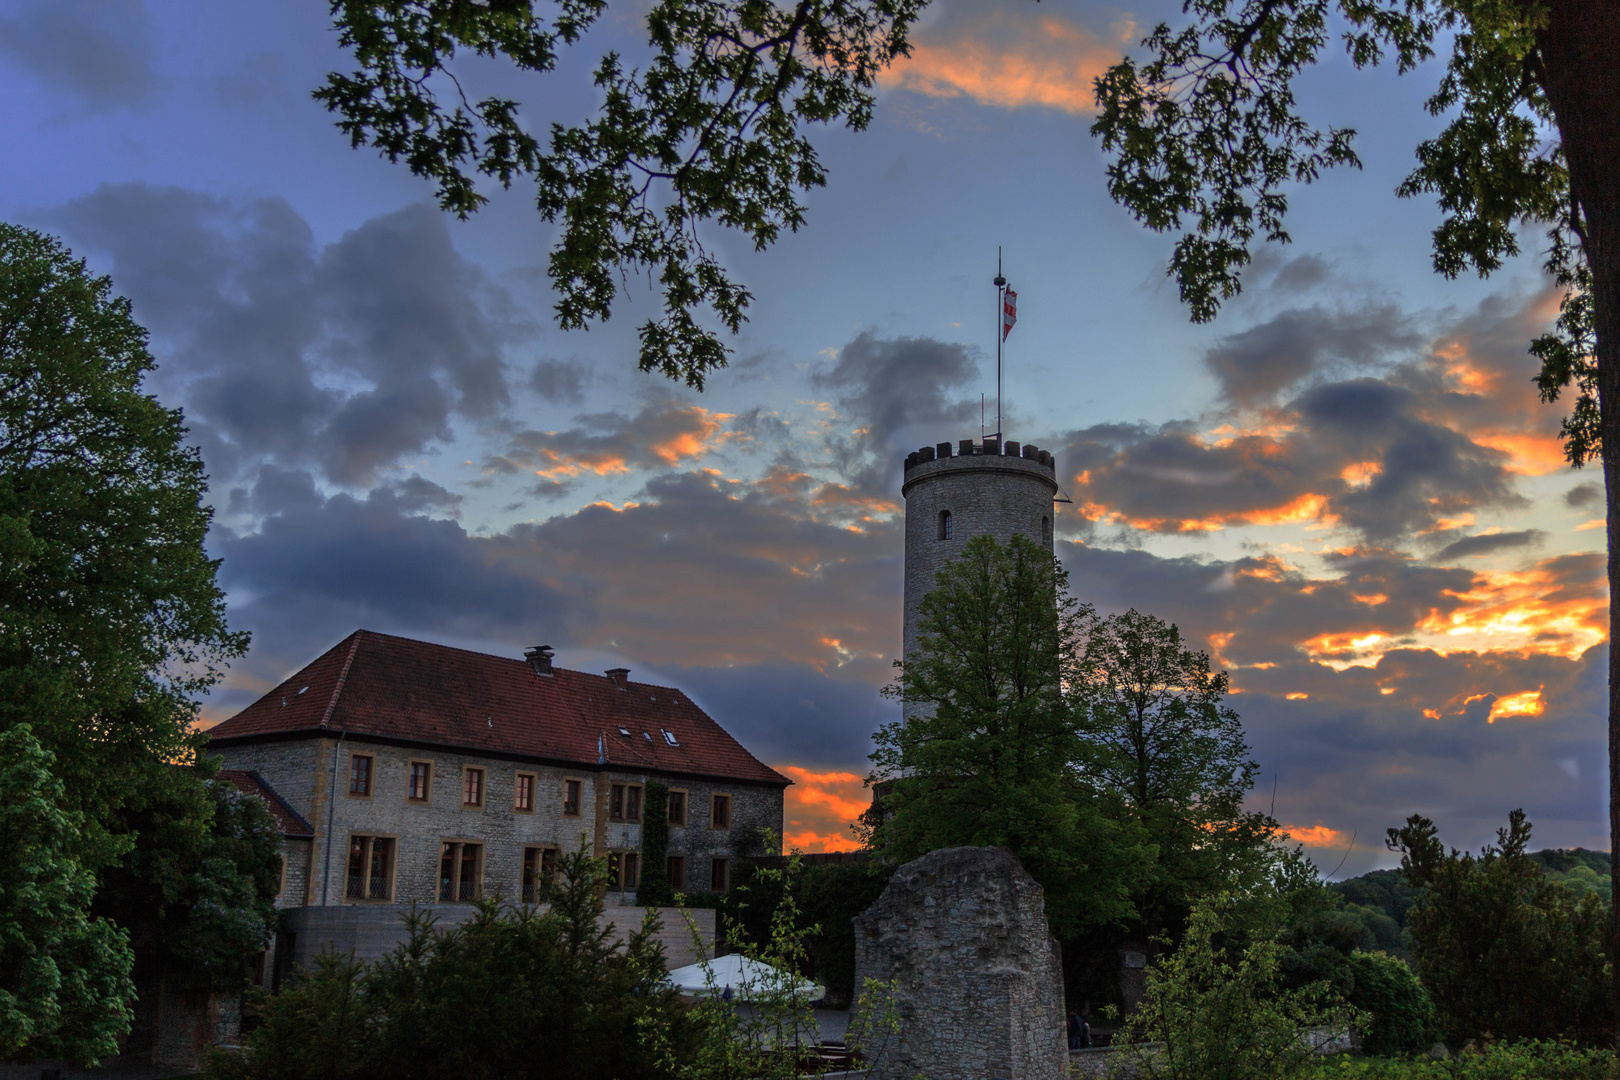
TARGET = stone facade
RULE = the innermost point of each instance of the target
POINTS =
(312, 775)
(986, 492)
(979, 980)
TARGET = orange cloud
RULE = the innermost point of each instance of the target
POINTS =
(1306, 508)
(819, 808)
(1533, 610)
(1317, 835)
(694, 440)
(1526, 703)
(1009, 62)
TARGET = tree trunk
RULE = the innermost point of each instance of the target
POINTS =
(1581, 49)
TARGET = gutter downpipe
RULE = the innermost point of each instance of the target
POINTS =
(331, 808)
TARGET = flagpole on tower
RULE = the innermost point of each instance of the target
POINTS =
(1001, 316)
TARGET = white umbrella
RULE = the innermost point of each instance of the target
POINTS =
(747, 979)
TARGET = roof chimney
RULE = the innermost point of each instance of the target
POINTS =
(539, 658)
(620, 676)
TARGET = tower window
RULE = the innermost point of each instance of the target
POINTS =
(1046, 531)
(944, 524)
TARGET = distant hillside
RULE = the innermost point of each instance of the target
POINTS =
(1583, 871)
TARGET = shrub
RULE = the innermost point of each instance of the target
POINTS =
(1217, 1010)
(513, 993)
(1399, 1017)
(1514, 1061)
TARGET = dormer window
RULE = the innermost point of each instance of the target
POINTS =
(669, 737)
(624, 731)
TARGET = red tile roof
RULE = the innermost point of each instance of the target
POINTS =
(287, 819)
(419, 692)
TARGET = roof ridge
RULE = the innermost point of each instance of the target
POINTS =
(337, 688)
(515, 660)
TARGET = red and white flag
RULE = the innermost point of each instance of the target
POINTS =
(1009, 312)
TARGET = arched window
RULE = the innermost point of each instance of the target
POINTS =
(944, 524)
(1046, 531)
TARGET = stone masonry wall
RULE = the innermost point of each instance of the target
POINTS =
(979, 981)
(987, 495)
(301, 772)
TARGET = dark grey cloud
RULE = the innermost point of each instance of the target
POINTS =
(893, 395)
(695, 572)
(791, 712)
(1255, 365)
(346, 357)
(560, 380)
(661, 435)
(1428, 471)
(1489, 543)
(1368, 452)
(1584, 495)
(99, 51)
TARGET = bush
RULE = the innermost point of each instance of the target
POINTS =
(1399, 1014)
(1515, 1061)
(510, 993)
(1216, 1008)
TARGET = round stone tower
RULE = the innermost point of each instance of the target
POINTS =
(982, 489)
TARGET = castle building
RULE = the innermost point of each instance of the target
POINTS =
(404, 773)
(954, 494)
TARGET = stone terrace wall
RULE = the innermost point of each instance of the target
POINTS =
(979, 978)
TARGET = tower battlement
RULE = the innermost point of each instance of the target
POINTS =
(990, 447)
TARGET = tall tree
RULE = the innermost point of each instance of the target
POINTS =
(1206, 136)
(1177, 757)
(110, 616)
(1505, 952)
(989, 758)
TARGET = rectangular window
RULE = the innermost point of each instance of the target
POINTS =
(360, 775)
(371, 868)
(677, 808)
(523, 792)
(675, 869)
(719, 875)
(461, 872)
(421, 781)
(624, 867)
(472, 787)
(539, 869)
(625, 803)
(571, 798)
(720, 812)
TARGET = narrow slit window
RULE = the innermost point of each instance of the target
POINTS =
(944, 524)
(1046, 531)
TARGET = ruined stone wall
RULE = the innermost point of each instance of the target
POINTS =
(979, 980)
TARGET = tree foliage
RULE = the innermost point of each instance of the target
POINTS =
(110, 616)
(1505, 952)
(987, 756)
(65, 987)
(1206, 137)
(1216, 1007)
(1167, 744)
(197, 891)
(712, 129)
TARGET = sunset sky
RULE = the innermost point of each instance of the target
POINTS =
(1344, 488)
